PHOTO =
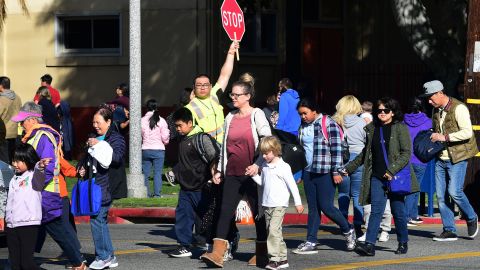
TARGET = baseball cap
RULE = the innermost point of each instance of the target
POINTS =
(431, 88)
(22, 115)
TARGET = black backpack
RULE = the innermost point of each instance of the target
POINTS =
(292, 151)
(200, 147)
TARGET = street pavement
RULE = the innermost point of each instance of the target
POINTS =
(145, 246)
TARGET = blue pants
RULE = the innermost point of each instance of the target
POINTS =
(155, 158)
(65, 239)
(450, 177)
(379, 200)
(411, 200)
(185, 215)
(350, 188)
(320, 192)
(101, 234)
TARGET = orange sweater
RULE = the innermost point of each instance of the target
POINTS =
(66, 170)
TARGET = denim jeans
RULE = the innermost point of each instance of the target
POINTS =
(321, 193)
(379, 200)
(65, 239)
(101, 234)
(411, 200)
(350, 188)
(188, 202)
(155, 157)
(450, 177)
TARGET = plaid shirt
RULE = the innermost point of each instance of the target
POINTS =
(327, 155)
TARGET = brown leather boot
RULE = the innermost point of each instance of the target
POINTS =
(215, 258)
(260, 258)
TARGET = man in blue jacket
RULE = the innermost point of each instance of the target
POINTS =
(288, 118)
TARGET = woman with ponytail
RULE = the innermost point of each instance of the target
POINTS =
(155, 135)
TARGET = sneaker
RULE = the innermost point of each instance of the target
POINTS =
(446, 236)
(70, 266)
(384, 236)
(362, 238)
(416, 220)
(283, 264)
(272, 265)
(472, 228)
(306, 248)
(180, 252)
(351, 239)
(170, 178)
(227, 256)
(411, 224)
(101, 264)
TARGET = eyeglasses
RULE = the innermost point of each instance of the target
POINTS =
(385, 111)
(233, 95)
(205, 85)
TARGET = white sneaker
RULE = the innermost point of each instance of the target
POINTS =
(384, 236)
(306, 248)
(362, 238)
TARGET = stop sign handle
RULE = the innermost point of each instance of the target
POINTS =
(236, 50)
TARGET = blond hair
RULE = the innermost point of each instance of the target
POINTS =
(346, 105)
(271, 143)
(43, 92)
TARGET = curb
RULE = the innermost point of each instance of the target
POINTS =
(121, 215)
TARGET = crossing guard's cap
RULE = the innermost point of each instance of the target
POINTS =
(431, 88)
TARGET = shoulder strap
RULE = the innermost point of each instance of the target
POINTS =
(199, 146)
(324, 127)
(382, 142)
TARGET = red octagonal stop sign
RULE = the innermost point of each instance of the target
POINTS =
(232, 19)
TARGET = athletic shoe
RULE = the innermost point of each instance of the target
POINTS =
(70, 266)
(446, 236)
(180, 252)
(227, 256)
(362, 238)
(101, 264)
(472, 227)
(283, 264)
(306, 248)
(411, 224)
(384, 236)
(351, 239)
(170, 178)
(416, 220)
(272, 265)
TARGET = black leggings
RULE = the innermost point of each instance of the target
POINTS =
(235, 187)
(21, 244)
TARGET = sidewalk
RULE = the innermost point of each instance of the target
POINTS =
(167, 214)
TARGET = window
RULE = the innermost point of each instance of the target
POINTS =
(322, 11)
(88, 35)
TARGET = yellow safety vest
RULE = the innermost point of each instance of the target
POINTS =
(208, 114)
(53, 186)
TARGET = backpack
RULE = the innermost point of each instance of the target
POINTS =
(343, 138)
(293, 152)
(200, 146)
(423, 147)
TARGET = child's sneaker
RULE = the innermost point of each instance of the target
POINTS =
(362, 238)
(351, 239)
(306, 248)
(272, 265)
(283, 264)
(384, 236)
(180, 252)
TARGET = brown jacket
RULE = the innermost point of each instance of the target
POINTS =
(8, 109)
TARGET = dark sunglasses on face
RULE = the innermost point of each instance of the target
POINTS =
(385, 111)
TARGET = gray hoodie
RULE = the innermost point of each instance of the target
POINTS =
(355, 133)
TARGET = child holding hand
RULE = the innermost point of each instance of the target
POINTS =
(278, 182)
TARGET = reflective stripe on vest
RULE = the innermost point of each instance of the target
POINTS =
(53, 186)
(196, 109)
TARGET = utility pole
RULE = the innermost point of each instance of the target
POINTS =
(472, 97)
(135, 182)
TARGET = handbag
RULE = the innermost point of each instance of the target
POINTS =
(423, 147)
(401, 182)
(86, 195)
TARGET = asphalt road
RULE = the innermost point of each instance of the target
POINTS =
(144, 247)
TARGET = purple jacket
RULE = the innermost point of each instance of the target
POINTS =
(416, 122)
(51, 201)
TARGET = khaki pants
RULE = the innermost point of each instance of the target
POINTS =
(386, 224)
(277, 249)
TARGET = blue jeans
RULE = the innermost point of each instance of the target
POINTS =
(411, 200)
(155, 157)
(185, 213)
(101, 234)
(379, 201)
(320, 191)
(450, 177)
(350, 188)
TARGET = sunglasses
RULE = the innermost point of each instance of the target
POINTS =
(385, 111)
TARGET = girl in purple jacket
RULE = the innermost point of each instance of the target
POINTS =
(24, 207)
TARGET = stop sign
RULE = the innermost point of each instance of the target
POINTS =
(232, 19)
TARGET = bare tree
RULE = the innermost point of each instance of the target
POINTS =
(3, 10)
(437, 32)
